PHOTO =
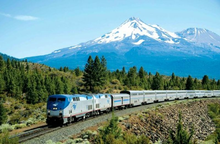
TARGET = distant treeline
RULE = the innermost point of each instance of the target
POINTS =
(5, 57)
(34, 82)
(96, 77)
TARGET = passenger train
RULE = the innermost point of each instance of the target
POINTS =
(64, 109)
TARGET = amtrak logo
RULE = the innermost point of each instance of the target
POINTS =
(74, 106)
(55, 104)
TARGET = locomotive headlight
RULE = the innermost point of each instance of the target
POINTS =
(60, 113)
(48, 112)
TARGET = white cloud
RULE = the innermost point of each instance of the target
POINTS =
(20, 17)
(4, 14)
(25, 18)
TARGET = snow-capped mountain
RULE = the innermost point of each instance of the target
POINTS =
(134, 28)
(135, 43)
(200, 36)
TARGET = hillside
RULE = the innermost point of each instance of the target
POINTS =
(155, 123)
(25, 86)
(150, 122)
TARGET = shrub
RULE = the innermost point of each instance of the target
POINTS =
(15, 119)
(50, 142)
(115, 81)
(214, 114)
(30, 121)
(69, 141)
(19, 126)
(3, 116)
(112, 134)
(6, 127)
(4, 138)
(18, 106)
(181, 136)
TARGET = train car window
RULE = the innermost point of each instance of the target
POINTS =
(74, 99)
(52, 99)
(149, 93)
(89, 107)
(106, 96)
(77, 98)
(161, 93)
(87, 98)
(97, 105)
(60, 99)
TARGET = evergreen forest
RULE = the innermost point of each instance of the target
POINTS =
(33, 83)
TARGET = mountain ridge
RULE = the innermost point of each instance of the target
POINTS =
(137, 43)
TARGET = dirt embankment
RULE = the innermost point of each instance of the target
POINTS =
(157, 123)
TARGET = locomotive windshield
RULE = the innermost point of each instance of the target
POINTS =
(52, 99)
(61, 99)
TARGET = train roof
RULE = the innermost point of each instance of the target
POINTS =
(132, 91)
(61, 95)
(70, 96)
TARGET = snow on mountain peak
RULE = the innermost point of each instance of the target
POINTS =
(200, 35)
(133, 18)
(134, 28)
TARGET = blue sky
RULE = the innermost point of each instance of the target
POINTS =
(37, 27)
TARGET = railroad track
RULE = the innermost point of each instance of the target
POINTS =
(37, 132)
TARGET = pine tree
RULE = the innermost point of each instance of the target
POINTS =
(88, 74)
(11, 87)
(131, 77)
(9, 64)
(18, 93)
(99, 70)
(27, 67)
(77, 71)
(111, 131)
(74, 90)
(3, 115)
(195, 83)
(157, 83)
(2, 63)
(181, 136)
(2, 84)
(65, 69)
(66, 85)
(141, 73)
(218, 85)
(205, 80)
(123, 72)
(103, 70)
(59, 86)
(32, 95)
(189, 83)
(173, 76)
